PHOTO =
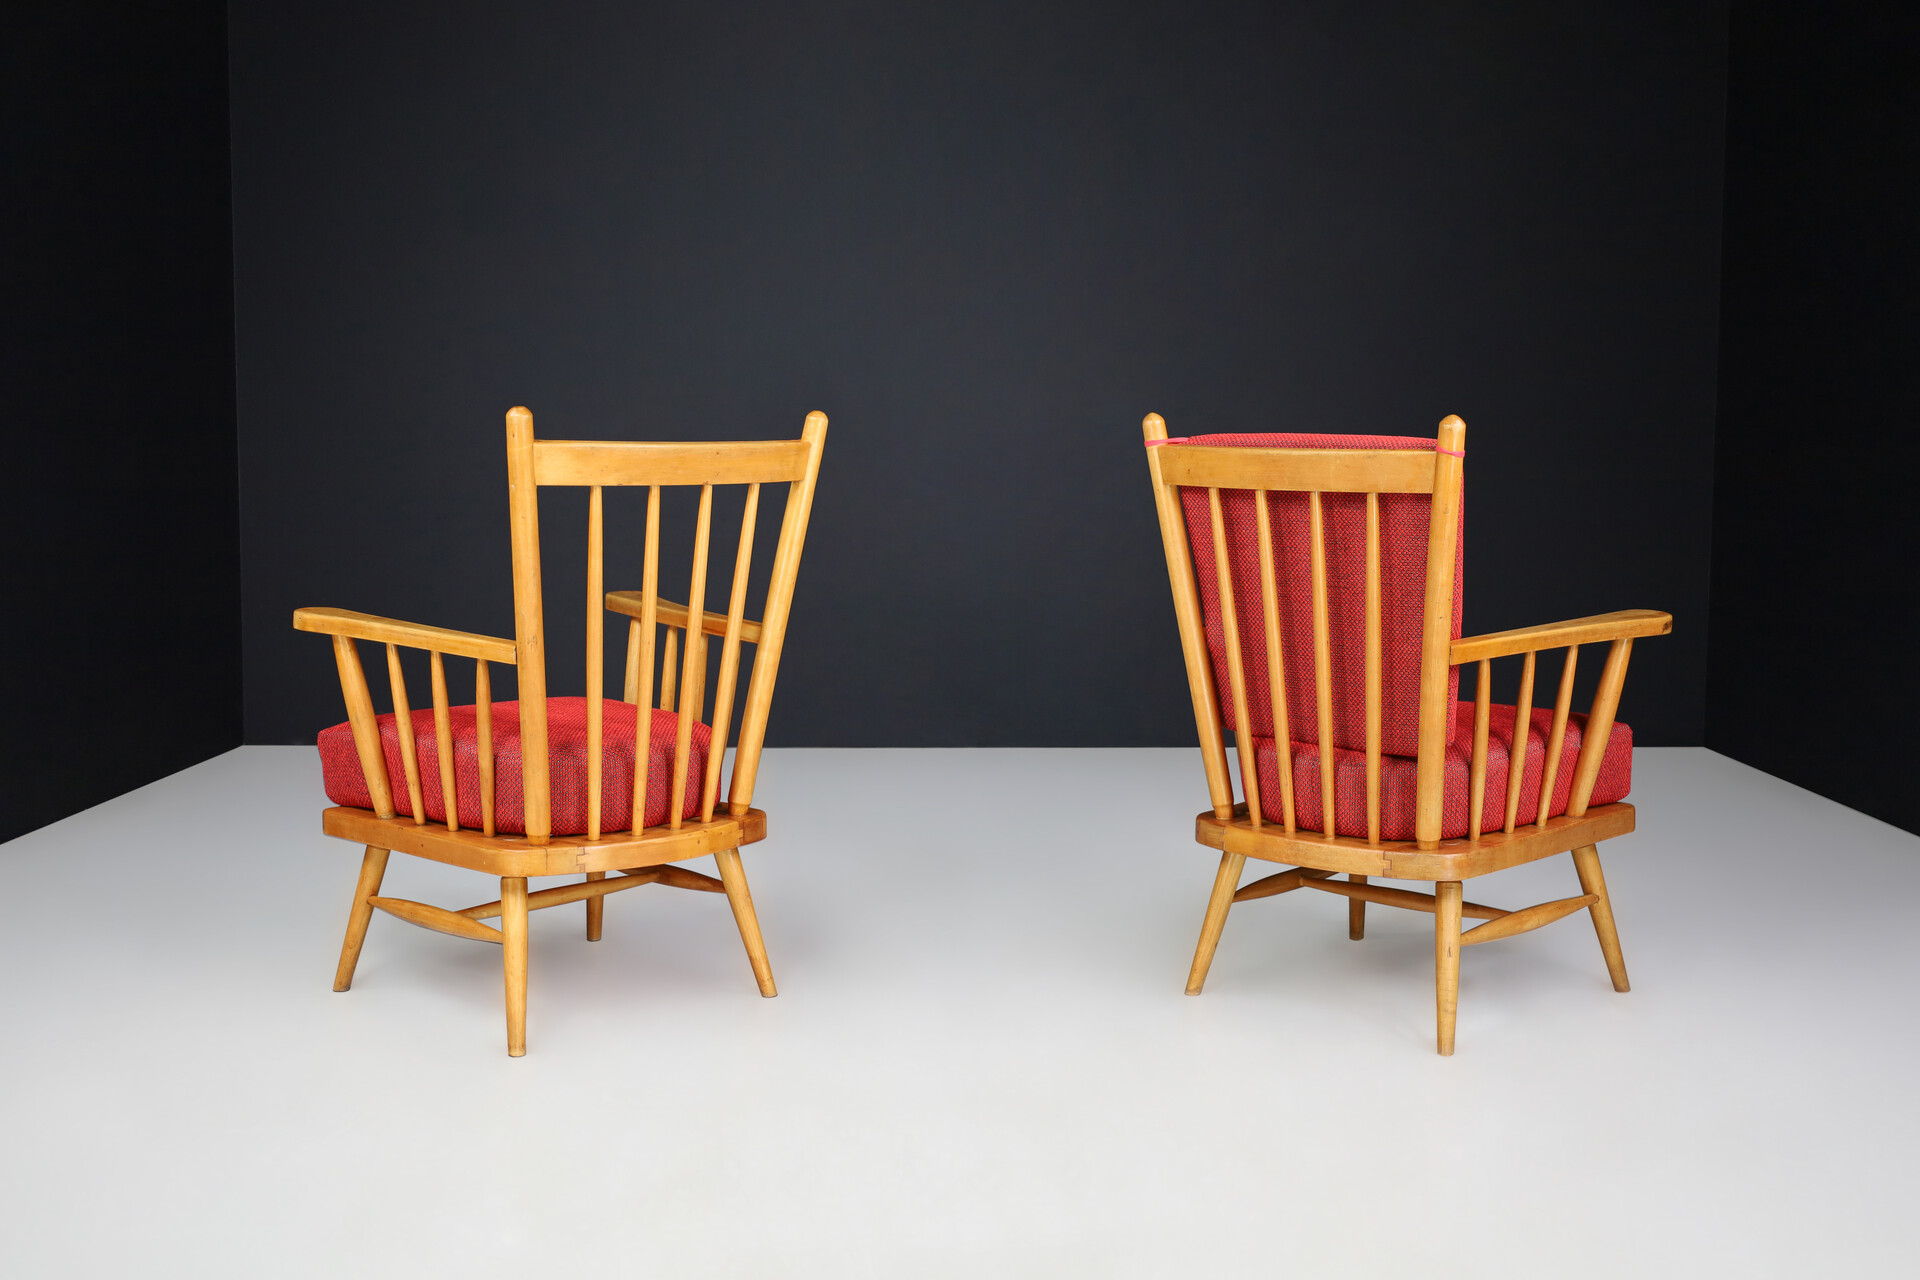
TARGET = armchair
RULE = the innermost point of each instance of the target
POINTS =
(1316, 581)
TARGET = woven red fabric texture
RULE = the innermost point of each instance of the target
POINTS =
(566, 750)
(1399, 778)
(1403, 578)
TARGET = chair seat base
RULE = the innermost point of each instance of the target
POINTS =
(1461, 859)
(512, 856)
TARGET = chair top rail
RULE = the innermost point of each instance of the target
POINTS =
(643, 462)
(1300, 470)
(413, 635)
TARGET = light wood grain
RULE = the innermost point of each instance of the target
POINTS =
(1446, 961)
(1477, 771)
(1323, 666)
(591, 890)
(1436, 699)
(730, 655)
(692, 677)
(630, 603)
(439, 919)
(1593, 745)
(1517, 747)
(513, 931)
(1556, 739)
(1276, 669)
(669, 665)
(738, 897)
(483, 742)
(373, 868)
(1373, 696)
(413, 635)
(1526, 920)
(648, 463)
(640, 641)
(403, 728)
(443, 740)
(1211, 925)
(365, 724)
(596, 660)
(1279, 882)
(1586, 862)
(1625, 624)
(523, 509)
(1236, 671)
(1356, 889)
(1297, 470)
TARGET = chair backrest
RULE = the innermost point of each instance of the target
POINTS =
(1335, 561)
(597, 465)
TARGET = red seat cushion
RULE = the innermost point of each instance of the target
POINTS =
(1399, 777)
(566, 749)
(1403, 577)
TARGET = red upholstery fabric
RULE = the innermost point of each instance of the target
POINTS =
(1399, 777)
(1403, 576)
(566, 749)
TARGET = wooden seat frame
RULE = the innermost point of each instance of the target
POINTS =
(1239, 828)
(639, 856)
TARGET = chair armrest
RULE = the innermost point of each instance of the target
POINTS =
(1624, 625)
(675, 615)
(414, 635)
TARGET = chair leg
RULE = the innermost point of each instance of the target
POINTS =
(513, 924)
(1356, 913)
(734, 877)
(373, 869)
(1586, 861)
(1446, 959)
(596, 908)
(1225, 882)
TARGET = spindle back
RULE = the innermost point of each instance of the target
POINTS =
(596, 465)
(1335, 563)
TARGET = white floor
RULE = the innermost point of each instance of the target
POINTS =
(980, 1062)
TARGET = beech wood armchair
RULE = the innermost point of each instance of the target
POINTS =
(574, 786)
(1316, 580)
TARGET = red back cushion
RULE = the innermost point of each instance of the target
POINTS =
(1403, 578)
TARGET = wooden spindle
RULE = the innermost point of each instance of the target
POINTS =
(630, 681)
(443, 739)
(1323, 664)
(529, 629)
(1436, 632)
(1522, 731)
(1276, 671)
(596, 652)
(366, 725)
(640, 657)
(1236, 669)
(1482, 716)
(669, 669)
(483, 740)
(403, 725)
(1373, 671)
(1562, 705)
(691, 690)
(730, 655)
(1606, 702)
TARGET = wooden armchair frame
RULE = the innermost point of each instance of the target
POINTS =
(641, 855)
(1239, 828)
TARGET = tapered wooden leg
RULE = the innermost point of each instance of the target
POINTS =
(373, 868)
(1356, 913)
(734, 877)
(513, 923)
(1225, 882)
(1586, 861)
(596, 908)
(1446, 959)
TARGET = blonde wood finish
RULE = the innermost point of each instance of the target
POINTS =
(1356, 889)
(596, 907)
(640, 638)
(668, 665)
(513, 930)
(373, 868)
(630, 603)
(682, 878)
(403, 727)
(729, 656)
(630, 680)
(1436, 702)
(1477, 773)
(1215, 920)
(1624, 625)
(1517, 747)
(523, 509)
(773, 638)
(483, 741)
(693, 684)
(1323, 668)
(1276, 682)
(1446, 961)
(413, 635)
(1279, 882)
(735, 881)
(1586, 861)
(1186, 608)
(596, 664)
(443, 741)
(560, 856)
(1298, 470)
(1239, 830)
(596, 887)
(1236, 674)
(650, 463)
(1526, 920)
(439, 919)
(366, 725)
(1562, 707)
